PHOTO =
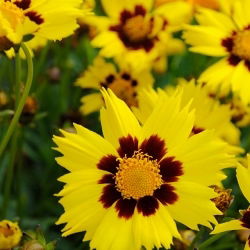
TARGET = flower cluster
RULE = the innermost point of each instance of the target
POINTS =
(174, 126)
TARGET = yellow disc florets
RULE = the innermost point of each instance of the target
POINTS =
(242, 44)
(10, 234)
(138, 176)
(137, 28)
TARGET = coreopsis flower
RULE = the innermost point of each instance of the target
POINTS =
(10, 234)
(243, 223)
(136, 33)
(224, 35)
(126, 189)
(52, 19)
(124, 82)
(209, 113)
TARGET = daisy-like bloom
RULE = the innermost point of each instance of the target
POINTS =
(212, 4)
(224, 35)
(52, 19)
(138, 34)
(132, 184)
(10, 234)
(243, 176)
(209, 113)
(125, 83)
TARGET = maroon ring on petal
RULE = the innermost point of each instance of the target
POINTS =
(109, 163)
(154, 146)
(125, 207)
(147, 205)
(165, 194)
(246, 219)
(128, 146)
(170, 169)
(109, 196)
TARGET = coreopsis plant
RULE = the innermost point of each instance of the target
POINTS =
(10, 234)
(124, 82)
(243, 223)
(137, 33)
(225, 35)
(127, 189)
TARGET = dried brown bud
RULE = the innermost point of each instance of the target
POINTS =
(224, 199)
(30, 106)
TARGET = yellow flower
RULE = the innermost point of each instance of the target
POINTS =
(10, 234)
(224, 35)
(126, 189)
(52, 19)
(125, 83)
(209, 113)
(243, 176)
(138, 34)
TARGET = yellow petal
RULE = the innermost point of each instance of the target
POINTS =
(228, 226)
(117, 119)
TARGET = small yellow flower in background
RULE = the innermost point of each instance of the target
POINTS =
(125, 83)
(10, 234)
(209, 113)
(52, 19)
(136, 33)
(127, 189)
(224, 35)
(243, 177)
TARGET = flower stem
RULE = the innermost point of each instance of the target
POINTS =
(10, 172)
(211, 240)
(21, 103)
(18, 77)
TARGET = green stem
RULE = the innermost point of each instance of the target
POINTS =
(10, 171)
(21, 104)
(212, 240)
(18, 77)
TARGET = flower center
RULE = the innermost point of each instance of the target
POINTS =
(125, 90)
(13, 14)
(138, 176)
(137, 28)
(6, 231)
(241, 46)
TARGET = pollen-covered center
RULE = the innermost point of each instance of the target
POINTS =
(137, 28)
(6, 231)
(14, 15)
(241, 46)
(138, 176)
